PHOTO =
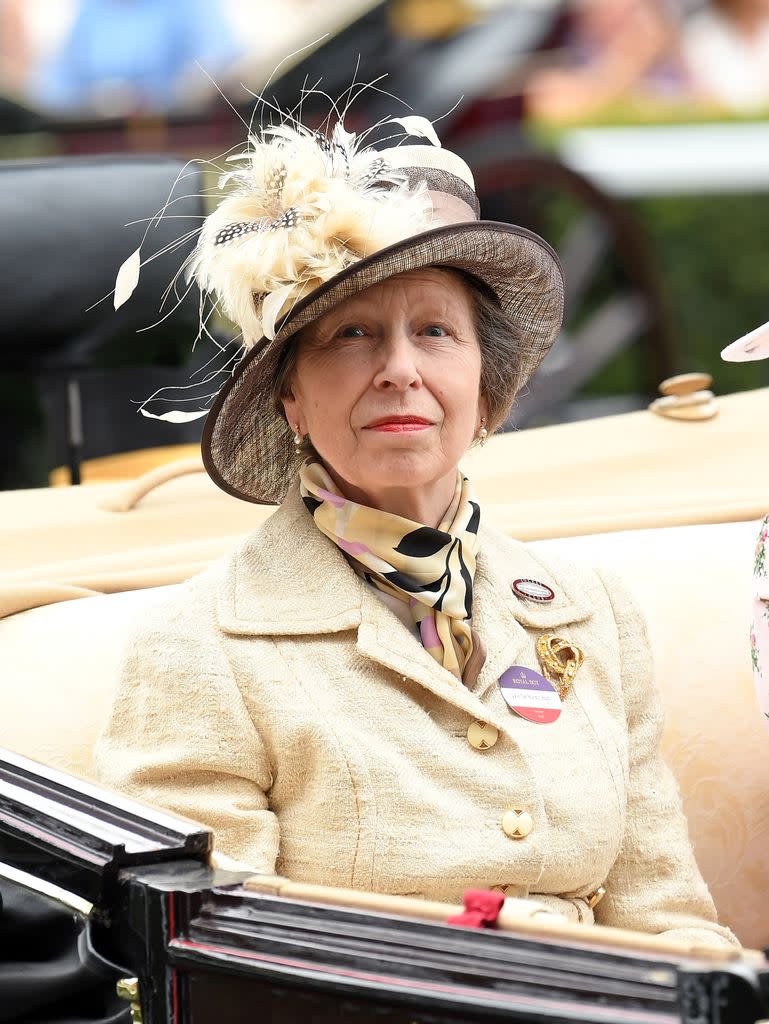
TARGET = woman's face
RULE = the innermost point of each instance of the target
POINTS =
(387, 385)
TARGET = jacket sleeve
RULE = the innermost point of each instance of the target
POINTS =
(655, 884)
(179, 735)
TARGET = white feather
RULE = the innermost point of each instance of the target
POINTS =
(415, 125)
(283, 131)
(225, 179)
(127, 278)
(272, 306)
(174, 415)
(344, 139)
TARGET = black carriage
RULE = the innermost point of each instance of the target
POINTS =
(181, 942)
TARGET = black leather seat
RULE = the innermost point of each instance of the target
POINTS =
(67, 225)
(48, 972)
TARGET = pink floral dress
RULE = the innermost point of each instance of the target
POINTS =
(759, 634)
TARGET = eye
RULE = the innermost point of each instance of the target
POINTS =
(435, 331)
(352, 331)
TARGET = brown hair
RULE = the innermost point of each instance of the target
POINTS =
(499, 338)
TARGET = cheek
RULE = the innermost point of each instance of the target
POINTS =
(461, 388)
(327, 395)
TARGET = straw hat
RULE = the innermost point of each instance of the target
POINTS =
(313, 220)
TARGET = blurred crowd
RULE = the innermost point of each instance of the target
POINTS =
(117, 57)
(102, 57)
(712, 54)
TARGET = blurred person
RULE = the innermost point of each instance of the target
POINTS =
(266, 40)
(123, 56)
(14, 47)
(614, 45)
(31, 32)
(756, 346)
(725, 50)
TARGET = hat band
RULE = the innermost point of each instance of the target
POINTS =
(438, 180)
(450, 209)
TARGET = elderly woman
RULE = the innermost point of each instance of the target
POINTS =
(377, 690)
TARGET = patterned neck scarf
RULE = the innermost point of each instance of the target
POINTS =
(429, 569)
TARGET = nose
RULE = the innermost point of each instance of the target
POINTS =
(398, 370)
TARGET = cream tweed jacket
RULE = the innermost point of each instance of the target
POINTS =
(277, 699)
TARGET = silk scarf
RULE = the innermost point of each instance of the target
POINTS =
(430, 569)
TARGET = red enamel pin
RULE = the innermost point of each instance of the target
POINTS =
(533, 590)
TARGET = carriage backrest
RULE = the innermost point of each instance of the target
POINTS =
(60, 663)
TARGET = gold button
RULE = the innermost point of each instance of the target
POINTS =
(482, 735)
(517, 823)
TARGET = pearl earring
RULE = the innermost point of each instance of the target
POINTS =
(483, 433)
(297, 436)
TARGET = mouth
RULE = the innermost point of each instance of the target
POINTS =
(398, 424)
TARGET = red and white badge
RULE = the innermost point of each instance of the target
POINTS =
(530, 695)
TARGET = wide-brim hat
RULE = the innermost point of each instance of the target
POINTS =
(422, 197)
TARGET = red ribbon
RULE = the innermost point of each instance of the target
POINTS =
(482, 909)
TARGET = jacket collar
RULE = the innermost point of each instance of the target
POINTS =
(288, 579)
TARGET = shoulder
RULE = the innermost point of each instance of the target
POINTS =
(195, 600)
(186, 608)
(596, 591)
(170, 617)
(271, 576)
(573, 575)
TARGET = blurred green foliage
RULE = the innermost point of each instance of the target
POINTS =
(713, 259)
(639, 112)
(712, 253)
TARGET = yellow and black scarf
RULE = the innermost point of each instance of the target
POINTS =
(430, 569)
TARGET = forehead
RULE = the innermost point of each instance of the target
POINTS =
(430, 284)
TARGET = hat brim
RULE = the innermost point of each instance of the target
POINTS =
(247, 446)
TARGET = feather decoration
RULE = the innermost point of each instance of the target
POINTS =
(301, 208)
(174, 415)
(127, 278)
(415, 125)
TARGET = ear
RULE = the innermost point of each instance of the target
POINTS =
(483, 409)
(293, 412)
(751, 346)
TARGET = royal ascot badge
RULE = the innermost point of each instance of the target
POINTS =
(530, 695)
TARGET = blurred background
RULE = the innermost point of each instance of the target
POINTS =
(632, 134)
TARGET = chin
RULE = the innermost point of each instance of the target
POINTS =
(406, 469)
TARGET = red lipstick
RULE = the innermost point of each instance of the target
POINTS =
(398, 424)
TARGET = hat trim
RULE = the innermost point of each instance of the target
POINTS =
(413, 241)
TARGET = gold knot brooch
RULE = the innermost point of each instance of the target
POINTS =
(560, 660)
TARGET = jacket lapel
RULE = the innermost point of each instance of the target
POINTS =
(383, 638)
(503, 619)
